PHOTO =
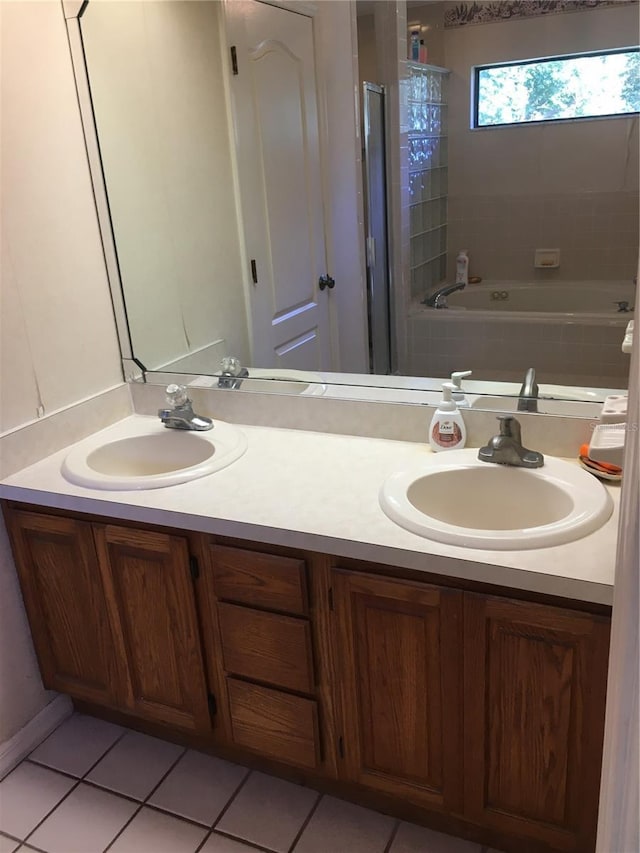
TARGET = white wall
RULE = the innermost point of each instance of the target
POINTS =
(58, 342)
(157, 85)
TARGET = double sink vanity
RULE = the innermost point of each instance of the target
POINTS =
(423, 633)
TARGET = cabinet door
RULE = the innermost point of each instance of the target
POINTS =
(401, 676)
(66, 604)
(151, 597)
(535, 682)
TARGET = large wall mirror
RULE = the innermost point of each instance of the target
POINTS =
(253, 215)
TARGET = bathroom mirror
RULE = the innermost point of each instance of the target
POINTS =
(168, 121)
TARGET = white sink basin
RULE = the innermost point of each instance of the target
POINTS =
(459, 500)
(141, 453)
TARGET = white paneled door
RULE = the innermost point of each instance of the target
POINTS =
(277, 144)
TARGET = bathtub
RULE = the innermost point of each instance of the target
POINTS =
(571, 332)
(566, 298)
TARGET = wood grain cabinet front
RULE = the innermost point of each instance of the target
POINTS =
(151, 598)
(73, 631)
(259, 579)
(401, 679)
(535, 683)
(267, 647)
(481, 714)
(113, 616)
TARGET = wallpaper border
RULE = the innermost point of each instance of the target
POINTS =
(465, 14)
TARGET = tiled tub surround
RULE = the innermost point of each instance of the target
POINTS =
(596, 232)
(93, 786)
(570, 332)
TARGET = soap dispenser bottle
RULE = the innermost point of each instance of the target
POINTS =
(458, 395)
(447, 430)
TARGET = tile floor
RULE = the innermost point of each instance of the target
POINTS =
(92, 787)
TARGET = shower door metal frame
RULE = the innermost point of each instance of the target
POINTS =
(379, 303)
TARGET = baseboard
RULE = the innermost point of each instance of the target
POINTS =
(14, 750)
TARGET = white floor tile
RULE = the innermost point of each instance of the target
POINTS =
(8, 845)
(338, 825)
(154, 832)
(76, 745)
(417, 839)
(86, 822)
(135, 765)
(220, 844)
(27, 794)
(268, 812)
(199, 787)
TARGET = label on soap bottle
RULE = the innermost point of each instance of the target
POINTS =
(446, 433)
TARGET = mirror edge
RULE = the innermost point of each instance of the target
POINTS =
(73, 10)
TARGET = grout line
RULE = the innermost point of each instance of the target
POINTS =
(76, 780)
(232, 798)
(165, 811)
(392, 837)
(142, 803)
(207, 836)
(226, 806)
(51, 811)
(170, 770)
(305, 823)
(244, 841)
(64, 773)
(118, 834)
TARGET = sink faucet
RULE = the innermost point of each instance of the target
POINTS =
(507, 449)
(528, 397)
(180, 415)
(231, 373)
(439, 298)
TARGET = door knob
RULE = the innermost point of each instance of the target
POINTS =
(326, 281)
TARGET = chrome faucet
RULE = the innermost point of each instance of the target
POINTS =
(439, 298)
(506, 448)
(231, 373)
(528, 397)
(180, 415)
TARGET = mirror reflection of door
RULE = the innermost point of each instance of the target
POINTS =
(276, 126)
(374, 160)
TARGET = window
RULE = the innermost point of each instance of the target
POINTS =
(558, 88)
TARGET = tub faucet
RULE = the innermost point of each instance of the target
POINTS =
(180, 415)
(528, 397)
(439, 298)
(506, 448)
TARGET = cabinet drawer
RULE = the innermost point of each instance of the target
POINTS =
(267, 647)
(263, 580)
(274, 724)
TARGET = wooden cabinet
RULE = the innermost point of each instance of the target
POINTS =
(151, 599)
(66, 602)
(113, 616)
(258, 606)
(482, 714)
(401, 679)
(535, 679)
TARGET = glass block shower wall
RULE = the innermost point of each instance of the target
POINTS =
(428, 176)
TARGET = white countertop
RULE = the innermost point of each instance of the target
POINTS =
(319, 492)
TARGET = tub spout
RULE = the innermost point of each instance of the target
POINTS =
(439, 298)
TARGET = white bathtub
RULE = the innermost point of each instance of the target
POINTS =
(571, 332)
(566, 298)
